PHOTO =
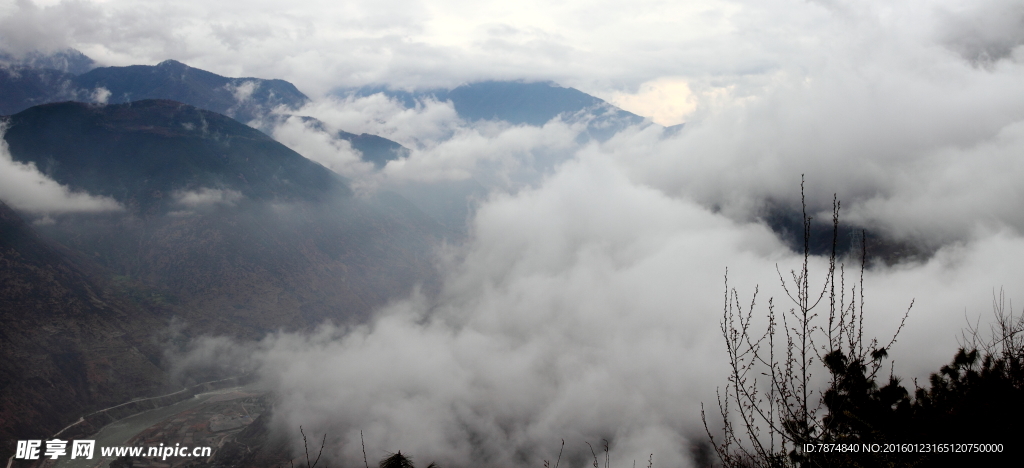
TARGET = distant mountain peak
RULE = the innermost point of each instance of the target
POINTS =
(68, 61)
(244, 99)
(519, 102)
(138, 153)
(172, 63)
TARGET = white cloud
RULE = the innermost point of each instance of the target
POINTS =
(425, 125)
(571, 315)
(100, 95)
(586, 309)
(916, 141)
(667, 101)
(986, 32)
(613, 46)
(23, 187)
(243, 91)
(497, 154)
(321, 146)
(443, 147)
(206, 197)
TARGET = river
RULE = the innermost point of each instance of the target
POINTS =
(118, 433)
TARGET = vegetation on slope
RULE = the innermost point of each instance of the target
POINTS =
(775, 417)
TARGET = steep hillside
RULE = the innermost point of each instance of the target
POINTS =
(237, 233)
(69, 342)
(141, 153)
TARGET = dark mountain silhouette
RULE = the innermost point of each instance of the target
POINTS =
(69, 342)
(519, 102)
(238, 234)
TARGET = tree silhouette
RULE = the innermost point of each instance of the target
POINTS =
(397, 460)
(969, 415)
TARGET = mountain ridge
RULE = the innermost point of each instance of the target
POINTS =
(28, 83)
(241, 98)
(517, 102)
(176, 147)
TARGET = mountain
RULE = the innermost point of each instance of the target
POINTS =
(241, 98)
(39, 79)
(372, 148)
(222, 231)
(22, 87)
(375, 149)
(67, 61)
(237, 233)
(846, 238)
(520, 103)
(26, 84)
(527, 103)
(69, 342)
(143, 152)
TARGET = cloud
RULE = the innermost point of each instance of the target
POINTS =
(322, 45)
(986, 32)
(443, 146)
(667, 101)
(585, 309)
(26, 28)
(425, 125)
(206, 197)
(585, 304)
(497, 154)
(23, 187)
(564, 319)
(321, 146)
(917, 143)
(243, 91)
(100, 95)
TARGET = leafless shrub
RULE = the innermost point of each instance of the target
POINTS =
(547, 464)
(1006, 333)
(770, 407)
(305, 445)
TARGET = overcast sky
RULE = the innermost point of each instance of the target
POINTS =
(585, 304)
(647, 55)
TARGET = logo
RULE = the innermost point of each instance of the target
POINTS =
(54, 449)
